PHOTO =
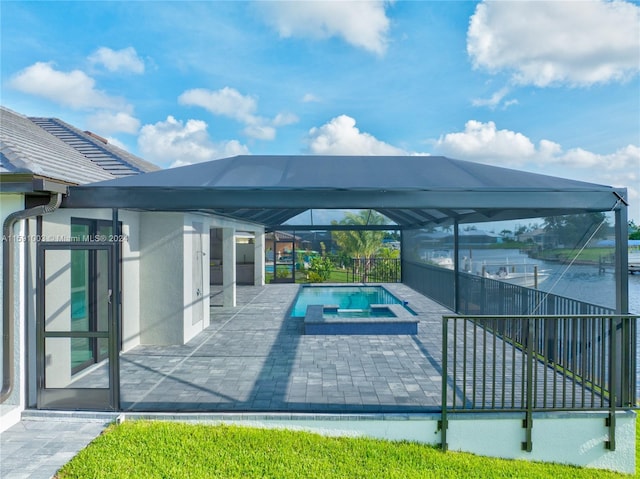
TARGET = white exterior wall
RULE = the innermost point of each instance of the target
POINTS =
(130, 279)
(161, 278)
(259, 258)
(576, 438)
(15, 403)
(196, 263)
(169, 306)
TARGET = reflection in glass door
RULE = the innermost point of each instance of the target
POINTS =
(284, 270)
(75, 326)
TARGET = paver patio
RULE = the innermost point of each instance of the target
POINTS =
(256, 358)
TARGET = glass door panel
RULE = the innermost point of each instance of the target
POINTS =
(284, 262)
(62, 352)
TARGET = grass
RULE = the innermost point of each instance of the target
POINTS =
(157, 449)
(336, 276)
(589, 255)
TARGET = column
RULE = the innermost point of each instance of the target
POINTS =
(258, 274)
(228, 267)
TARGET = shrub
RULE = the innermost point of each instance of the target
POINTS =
(320, 266)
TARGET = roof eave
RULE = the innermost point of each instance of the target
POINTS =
(30, 183)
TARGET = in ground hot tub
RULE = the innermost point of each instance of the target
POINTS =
(378, 319)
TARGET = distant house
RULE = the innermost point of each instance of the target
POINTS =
(280, 244)
(539, 237)
(473, 237)
(479, 238)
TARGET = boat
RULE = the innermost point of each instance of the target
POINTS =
(441, 258)
(526, 275)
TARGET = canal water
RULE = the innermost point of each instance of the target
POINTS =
(582, 282)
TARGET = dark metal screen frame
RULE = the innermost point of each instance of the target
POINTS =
(78, 398)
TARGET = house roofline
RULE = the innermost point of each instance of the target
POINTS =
(30, 183)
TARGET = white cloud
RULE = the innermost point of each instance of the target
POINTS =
(310, 98)
(620, 168)
(118, 60)
(556, 42)
(625, 160)
(225, 102)
(495, 100)
(341, 137)
(175, 143)
(260, 132)
(105, 122)
(483, 142)
(230, 103)
(283, 119)
(74, 89)
(363, 24)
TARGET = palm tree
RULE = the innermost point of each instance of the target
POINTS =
(361, 244)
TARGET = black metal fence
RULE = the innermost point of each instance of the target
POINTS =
(374, 270)
(523, 350)
(538, 363)
(432, 281)
(478, 295)
(485, 296)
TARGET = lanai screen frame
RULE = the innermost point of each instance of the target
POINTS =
(412, 191)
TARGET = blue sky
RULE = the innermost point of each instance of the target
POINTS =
(550, 87)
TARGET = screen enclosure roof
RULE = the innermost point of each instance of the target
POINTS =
(413, 191)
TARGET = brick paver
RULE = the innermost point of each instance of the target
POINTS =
(256, 358)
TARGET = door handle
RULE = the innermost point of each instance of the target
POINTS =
(109, 294)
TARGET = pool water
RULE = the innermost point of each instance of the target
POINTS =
(359, 313)
(345, 297)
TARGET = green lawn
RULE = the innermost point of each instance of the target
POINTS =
(592, 255)
(148, 449)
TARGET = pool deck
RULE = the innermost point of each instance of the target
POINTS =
(254, 357)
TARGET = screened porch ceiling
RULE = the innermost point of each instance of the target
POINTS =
(412, 191)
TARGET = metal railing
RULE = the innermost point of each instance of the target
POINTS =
(538, 363)
(432, 281)
(374, 270)
(485, 296)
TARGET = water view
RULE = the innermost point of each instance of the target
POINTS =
(583, 282)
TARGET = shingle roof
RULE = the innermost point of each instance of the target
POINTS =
(109, 157)
(56, 150)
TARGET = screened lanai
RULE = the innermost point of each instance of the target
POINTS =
(482, 345)
(415, 192)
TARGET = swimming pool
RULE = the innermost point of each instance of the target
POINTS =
(345, 297)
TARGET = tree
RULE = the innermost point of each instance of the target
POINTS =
(386, 267)
(634, 231)
(573, 231)
(360, 243)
